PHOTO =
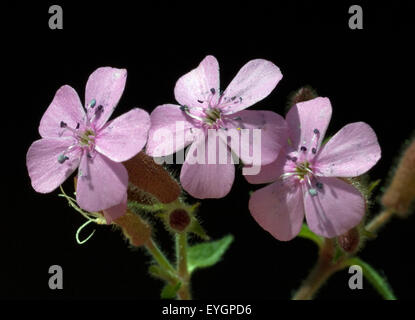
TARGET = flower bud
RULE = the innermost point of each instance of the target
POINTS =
(303, 94)
(152, 178)
(349, 241)
(400, 195)
(134, 228)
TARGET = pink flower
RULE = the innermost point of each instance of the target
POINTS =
(73, 136)
(308, 176)
(204, 107)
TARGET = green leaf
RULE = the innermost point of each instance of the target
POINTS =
(207, 254)
(306, 233)
(377, 281)
(170, 290)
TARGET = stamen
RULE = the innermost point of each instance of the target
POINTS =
(319, 185)
(77, 126)
(200, 101)
(304, 149)
(316, 131)
(62, 158)
(186, 110)
(92, 103)
(63, 124)
(213, 90)
(314, 150)
(313, 192)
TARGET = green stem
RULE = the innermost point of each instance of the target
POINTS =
(182, 268)
(161, 259)
(320, 273)
(376, 280)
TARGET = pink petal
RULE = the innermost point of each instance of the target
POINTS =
(270, 172)
(45, 172)
(65, 106)
(350, 152)
(304, 117)
(116, 211)
(278, 209)
(274, 135)
(198, 84)
(254, 82)
(207, 180)
(106, 86)
(336, 208)
(168, 124)
(102, 183)
(125, 136)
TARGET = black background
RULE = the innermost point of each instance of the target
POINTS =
(366, 74)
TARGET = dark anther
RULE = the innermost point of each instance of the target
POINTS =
(100, 108)
(63, 124)
(294, 159)
(184, 108)
(314, 150)
(233, 98)
(316, 131)
(200, 101)
(77, 125)
(240, 99)
(319, 185)
(303, 148)
(213, 90)
(89, 155)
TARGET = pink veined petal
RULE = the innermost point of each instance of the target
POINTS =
(200, 86)
(274, 135)
(208, 180)
(45, 172)
(350, 152)
(116, 211)
(336, 208)
(253, 82)
(278, 209)
(304, 117)
(105, 85)
(125, 136)
(102, 183)
(65, 106)
(170, 131)
(270, 172)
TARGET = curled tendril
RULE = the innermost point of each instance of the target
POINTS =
(90, 216)
(80, 229)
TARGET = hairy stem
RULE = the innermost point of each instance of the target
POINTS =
(161, 259)
(379, 220)
(182, 269)
(319, 274)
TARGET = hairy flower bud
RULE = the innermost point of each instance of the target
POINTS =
(152, 178)
(349, 241)
(400, 195)
(134, 228)
(303, 94)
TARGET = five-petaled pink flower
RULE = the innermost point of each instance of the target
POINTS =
(73, 136)
(204, 107)
(308, 176)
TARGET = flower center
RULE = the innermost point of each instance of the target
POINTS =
(83, 137)
(303, 173)
(86, 139)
